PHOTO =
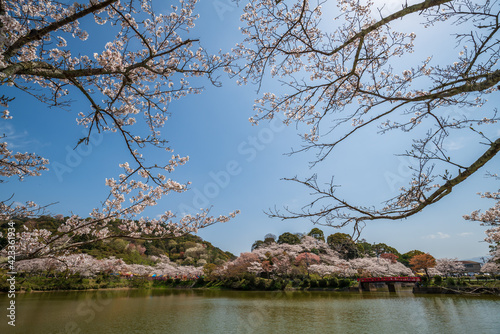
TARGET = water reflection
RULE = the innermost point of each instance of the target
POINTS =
(209, 311)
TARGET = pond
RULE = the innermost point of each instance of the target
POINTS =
(207, 311)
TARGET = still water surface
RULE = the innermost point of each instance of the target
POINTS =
(200, 311)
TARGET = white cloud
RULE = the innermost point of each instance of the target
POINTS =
(438, 235)
(17, 139)
(465, 234)
(454, 145)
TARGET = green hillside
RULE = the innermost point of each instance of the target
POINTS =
(186, 250)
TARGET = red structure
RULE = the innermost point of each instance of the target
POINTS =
(388, 279)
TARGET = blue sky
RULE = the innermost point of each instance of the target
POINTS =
(234, 165)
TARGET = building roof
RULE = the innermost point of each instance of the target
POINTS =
(470, 262)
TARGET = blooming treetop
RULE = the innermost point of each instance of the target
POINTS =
(493, 266)
(449, 266)
(379, 267)
(280, 259)
(87, 265)
(490, 218)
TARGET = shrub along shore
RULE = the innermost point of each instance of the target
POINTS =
(247, 282)
(105, 281)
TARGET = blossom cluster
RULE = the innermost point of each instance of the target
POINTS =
(312, 256)
(490, 218)
(19, 164)
(449, 266)
(87, 265)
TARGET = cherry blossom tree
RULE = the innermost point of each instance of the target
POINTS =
(490, 218)
(449, 266)
(164, 267)
(127, 85)
(277, 251)
(356, 74)
(493, 265)
(89, 266)
(389, 256)
(280, 259)
(323, 270)
(82, 264)
(287, 259)
(372, 266)
(307, 258)
(241, 265)
(256, 267)
(18, 165)
(37, 266)
(282, 265)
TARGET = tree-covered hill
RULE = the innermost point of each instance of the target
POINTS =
(185, 250)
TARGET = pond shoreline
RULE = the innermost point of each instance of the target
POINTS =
(422, 290)
(457, 290)
(28, 284)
